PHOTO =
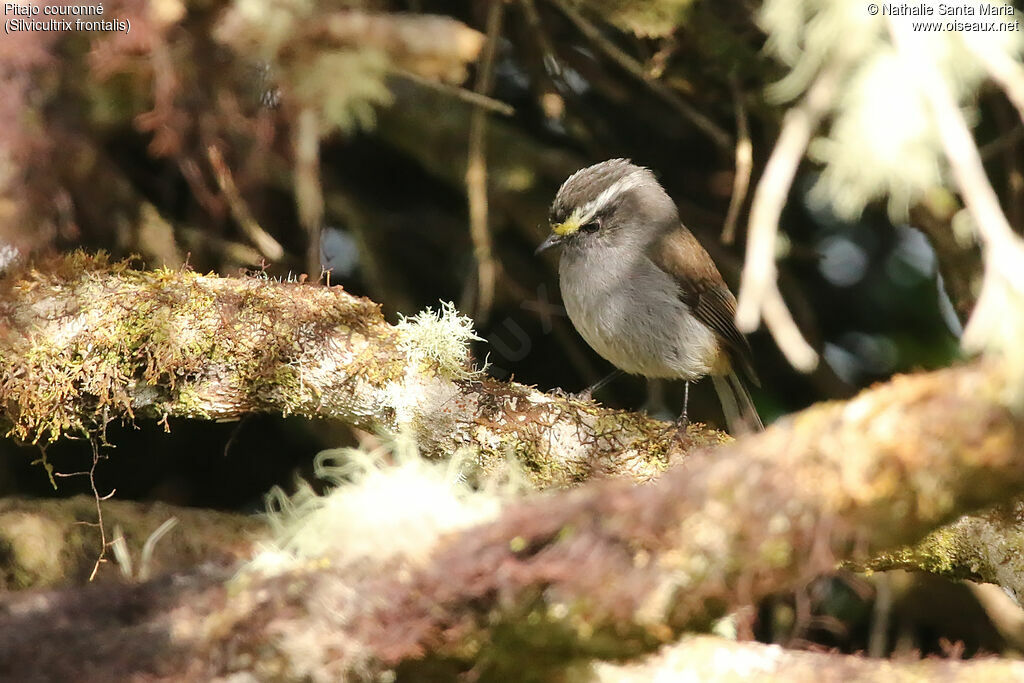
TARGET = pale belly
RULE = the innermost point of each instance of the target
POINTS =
(641, 327)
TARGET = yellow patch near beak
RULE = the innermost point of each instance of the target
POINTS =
(567, 227)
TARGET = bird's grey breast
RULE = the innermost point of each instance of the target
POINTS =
(630, 312)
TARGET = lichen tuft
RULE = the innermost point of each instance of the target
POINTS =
(440, 338)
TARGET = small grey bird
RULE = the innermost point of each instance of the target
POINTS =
(642, 291)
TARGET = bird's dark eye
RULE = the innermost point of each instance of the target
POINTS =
(592, 226)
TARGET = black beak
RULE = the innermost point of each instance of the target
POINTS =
(552, 241)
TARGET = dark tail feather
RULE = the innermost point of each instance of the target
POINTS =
(740, 413)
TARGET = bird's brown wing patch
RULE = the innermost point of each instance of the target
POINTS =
(702, 288)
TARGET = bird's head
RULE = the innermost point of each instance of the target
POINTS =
(612, 200)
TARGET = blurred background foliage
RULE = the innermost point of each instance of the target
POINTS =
(288, 136)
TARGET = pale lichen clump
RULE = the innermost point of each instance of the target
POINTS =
(376, 511)
(441, 338)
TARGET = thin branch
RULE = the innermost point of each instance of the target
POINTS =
(786, 333)
(309, 196)
(476, 173)
(744, 163)
(982, 546)
(759, 294)
(474, 99)
(551, 64)
(957, 251)
(98, 500)
(146, 558)
(204, 196)
(260, 238)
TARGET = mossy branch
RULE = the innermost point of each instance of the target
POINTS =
(986, 547)
(84, 341)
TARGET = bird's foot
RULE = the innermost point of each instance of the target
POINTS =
(681, 424)
(586, 395)
(583, 396)
(683, 421)
(680, 433)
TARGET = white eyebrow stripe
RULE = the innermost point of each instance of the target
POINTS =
(586, 213)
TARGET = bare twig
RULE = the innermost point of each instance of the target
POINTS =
(468, 96)
(476, 173)
(146, 559)
(91, 474)
(785, 332)
(744, 163)
(533, 19)
(759, 293)
(958, 254)
(309, 196)
(260, 238)
(716, 133)
(122, 555)
(206, 198)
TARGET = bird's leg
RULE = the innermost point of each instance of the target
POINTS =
(684, 418)
(588, 393)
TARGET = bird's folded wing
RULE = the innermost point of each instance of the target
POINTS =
(702, 288)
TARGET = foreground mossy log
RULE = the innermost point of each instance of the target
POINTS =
(609, 570)
(84, 341)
